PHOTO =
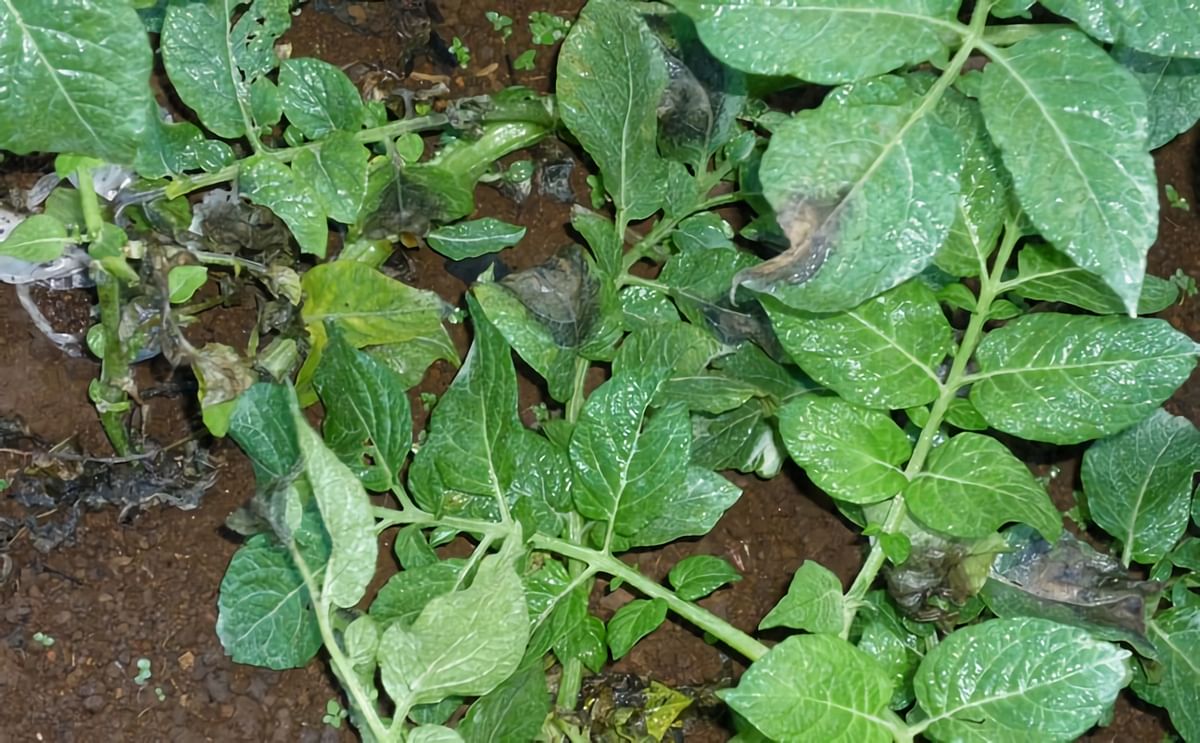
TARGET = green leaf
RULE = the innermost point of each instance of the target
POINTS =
(1169, 29)
(848, 451)
(318, 98)
(337, 172)
(471, 447)
(37, 239)
(861, 214)
(368, 422)
(600, 234)
(1048, 275)
(76, 78)
(171, 149)
(212, 65)
(262, 424)
(882, 635)
(464, 643)
(406, 593)
(1176, 635)
(268, 182)
(346, 515)
(1139, 484)
(1087, 184)
(998, 680)
(477, 237)
(623, 469)
(632, 622)
(265, 105)
(433, 734)
(1172, 88)
(182, 281)
(513, 711)
(984, 201)
(411, 548)
(643, 307)
(1065, 379)
(740, 439)
(813, 603)
(882, 354)
(529, 338)
(699, 575)
(691, 510)
(370, 308)
(413, 358)
(824, 41)
(610, 80)
(815, 687)
(972, 485)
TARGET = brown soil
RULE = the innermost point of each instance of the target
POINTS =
(148, 589)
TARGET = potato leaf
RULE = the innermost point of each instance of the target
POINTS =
(699, 575)
(632, 622)
(1169, 28)
(318, 98)
(740, 439)
(1048, 275)
(171, 149)
(1176, 634)
(1065, 379)
(406, 593)
(825, 41)
(861, 214)
(882, 354)
(1139, 482)
(815, 687)
(883, 635)
(972, 485)
(610, 80)
(688, 511)
(368, 423)
(337, 172)
(36, 239)
(477, 237)
(848, 451)
(464, 643)
(998, 680)
(76, 78)
(813, 603)
(1085, 179)
(514, 710)
(1172, 88)
(268, 182)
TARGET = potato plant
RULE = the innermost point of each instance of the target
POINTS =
(945, 256)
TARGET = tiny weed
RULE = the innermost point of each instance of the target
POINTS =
(547, 28)
(1175, 200)
(160, 694)
(501, 23)
(143, 674)
(461, 52)
(334, 714)
(1185, 282)
(524, 60)
(41, 638)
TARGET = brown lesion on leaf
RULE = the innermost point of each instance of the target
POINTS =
(811, 227)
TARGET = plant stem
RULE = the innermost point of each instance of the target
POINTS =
(743, 643)
(341, 664)
(991, 286)
(666, 225)
(572, 673)
(89, 203)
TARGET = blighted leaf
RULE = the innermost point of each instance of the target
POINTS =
(38, 238)
(563, 295)
(610, 80)
(529, 338)
(1170, 28)
(699, 575)
(464, 643)
(318, 97)
(864, 213)
(826, 41)
(1069, 582)
(367, 424)
(1139, 482)
(850, 452)
(938, 575)
(222, 374)
(1176, 634)
(701, 277)
(477, 237)
(1082, 173)
(972, 485)
(998, 680)
(632, 622)
(1065, 379)
(813, 602)
(1172, 88)
(337, 172)
(268, 182)
(815, 687)
(882, 354)
(212, 64)
(76, 78)
(1048, 275)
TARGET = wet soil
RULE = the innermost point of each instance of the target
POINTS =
(147, 589)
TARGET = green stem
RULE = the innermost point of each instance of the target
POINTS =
(89, 203)
(666, 225)
(991, 286)
(572, 673)
(743, 643)
(341, 664)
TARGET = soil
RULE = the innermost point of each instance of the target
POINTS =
(146, 588)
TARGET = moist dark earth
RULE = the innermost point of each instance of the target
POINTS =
(146, 586)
